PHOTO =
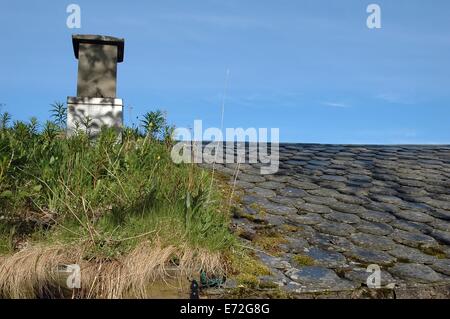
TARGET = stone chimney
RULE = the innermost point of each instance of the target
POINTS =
(96, 104)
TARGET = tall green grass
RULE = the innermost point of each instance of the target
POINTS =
(107, 195)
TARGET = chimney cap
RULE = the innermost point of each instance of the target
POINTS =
(98, 39)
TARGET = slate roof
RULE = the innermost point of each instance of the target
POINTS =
(348, 207)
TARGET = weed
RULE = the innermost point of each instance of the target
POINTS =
(104, 203)
(303, 260)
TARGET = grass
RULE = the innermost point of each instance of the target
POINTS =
(303, 260)
(33, 272)
(247, 270)
(117, 209)
(247, 264)
(270, 240)
(434, 251)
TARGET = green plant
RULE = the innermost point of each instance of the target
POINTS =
(303, 260)
(59, 114)
(5, 118)
(50, 132)
(168, 135)
(87, 124)
(154, 123)
(82, 186)
(33, 126)
(107, 198)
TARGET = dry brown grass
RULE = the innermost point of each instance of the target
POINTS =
(32, 272)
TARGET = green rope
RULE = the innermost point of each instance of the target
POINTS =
(210, 282)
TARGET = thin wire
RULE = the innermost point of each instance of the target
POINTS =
(221, 127)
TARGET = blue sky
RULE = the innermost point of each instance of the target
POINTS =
(311, 68)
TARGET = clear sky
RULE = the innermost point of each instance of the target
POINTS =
(311, 68)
